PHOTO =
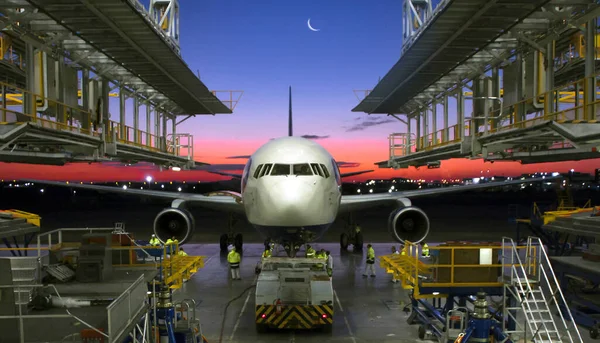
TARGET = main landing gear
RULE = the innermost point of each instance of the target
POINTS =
(230, 237)
(353, 235)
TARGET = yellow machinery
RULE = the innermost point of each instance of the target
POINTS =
(453, 265)
(31, 218)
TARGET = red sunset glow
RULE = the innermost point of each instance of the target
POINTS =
(364, 151)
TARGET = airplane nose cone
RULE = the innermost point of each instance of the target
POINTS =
(292, 199)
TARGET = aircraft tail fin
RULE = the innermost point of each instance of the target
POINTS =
(290, 122)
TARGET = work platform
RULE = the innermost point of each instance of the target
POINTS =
(61, 72)
(100, 287)
(494, 54)
(455, 271)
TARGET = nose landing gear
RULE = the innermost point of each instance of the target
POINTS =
(291, 248)
(353, 235)
(237, 240)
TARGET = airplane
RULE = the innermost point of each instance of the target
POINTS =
(291, 193)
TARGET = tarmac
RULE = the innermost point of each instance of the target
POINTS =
(365, 310)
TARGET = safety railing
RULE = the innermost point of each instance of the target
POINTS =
(8, 54)
(531, 278)
(173, 267)
(125, 310)
(456, 265)
(43, 111)
(440, 138)
(568, 104)
(398, 144)
(21, 317)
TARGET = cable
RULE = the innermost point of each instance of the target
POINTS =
(227, 306)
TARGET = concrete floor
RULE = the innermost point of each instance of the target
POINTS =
(361, 313)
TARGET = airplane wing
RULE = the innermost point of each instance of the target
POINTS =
(239, 176)
(355, 173)
(360, 202)
(220, 201)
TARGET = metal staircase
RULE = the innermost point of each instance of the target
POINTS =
(536, 291)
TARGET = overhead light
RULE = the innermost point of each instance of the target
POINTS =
(175, 169)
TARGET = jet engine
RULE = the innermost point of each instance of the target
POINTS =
(408, 224)
(174, 222)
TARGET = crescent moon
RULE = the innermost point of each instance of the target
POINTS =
(310, 27)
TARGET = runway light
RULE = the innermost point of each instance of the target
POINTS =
(124, 187)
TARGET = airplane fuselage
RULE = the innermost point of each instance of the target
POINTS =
(291, 190)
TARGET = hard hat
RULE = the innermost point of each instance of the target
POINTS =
(153, 235)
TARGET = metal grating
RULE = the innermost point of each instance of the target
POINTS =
(127, 36)
(460, 30)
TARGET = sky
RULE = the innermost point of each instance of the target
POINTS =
(262, 47)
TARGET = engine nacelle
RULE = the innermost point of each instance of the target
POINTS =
(408, 224)
(174, 222)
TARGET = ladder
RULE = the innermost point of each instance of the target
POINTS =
(536, 291)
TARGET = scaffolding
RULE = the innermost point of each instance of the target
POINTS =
(455, 271)
(138, 265)
(526, 73)
(60, 73)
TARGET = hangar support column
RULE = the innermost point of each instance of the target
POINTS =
(30, 107)
(418, 133)
(136, 120)
(445, 132)
(408, 148)
(434, 123)
(590, 78)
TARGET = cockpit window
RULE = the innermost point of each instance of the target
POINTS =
(325, 171)
(280, 169)
(301, 169)
(316, 169)
(265, 170)
(257, 171)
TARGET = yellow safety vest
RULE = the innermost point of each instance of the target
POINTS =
(425, 250)
(266, 254)
(371, 255)
(154, 241)
(310, 253)
(169, 241)
(234, 259)
(182, 253)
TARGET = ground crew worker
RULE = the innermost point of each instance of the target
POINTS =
(181, 252)
(310, 252)
(370, 265)
(424, 249)
(321, 256)
(403, 253)
(266, 253)
(234, 264)
(154, 241)
(329, 263)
